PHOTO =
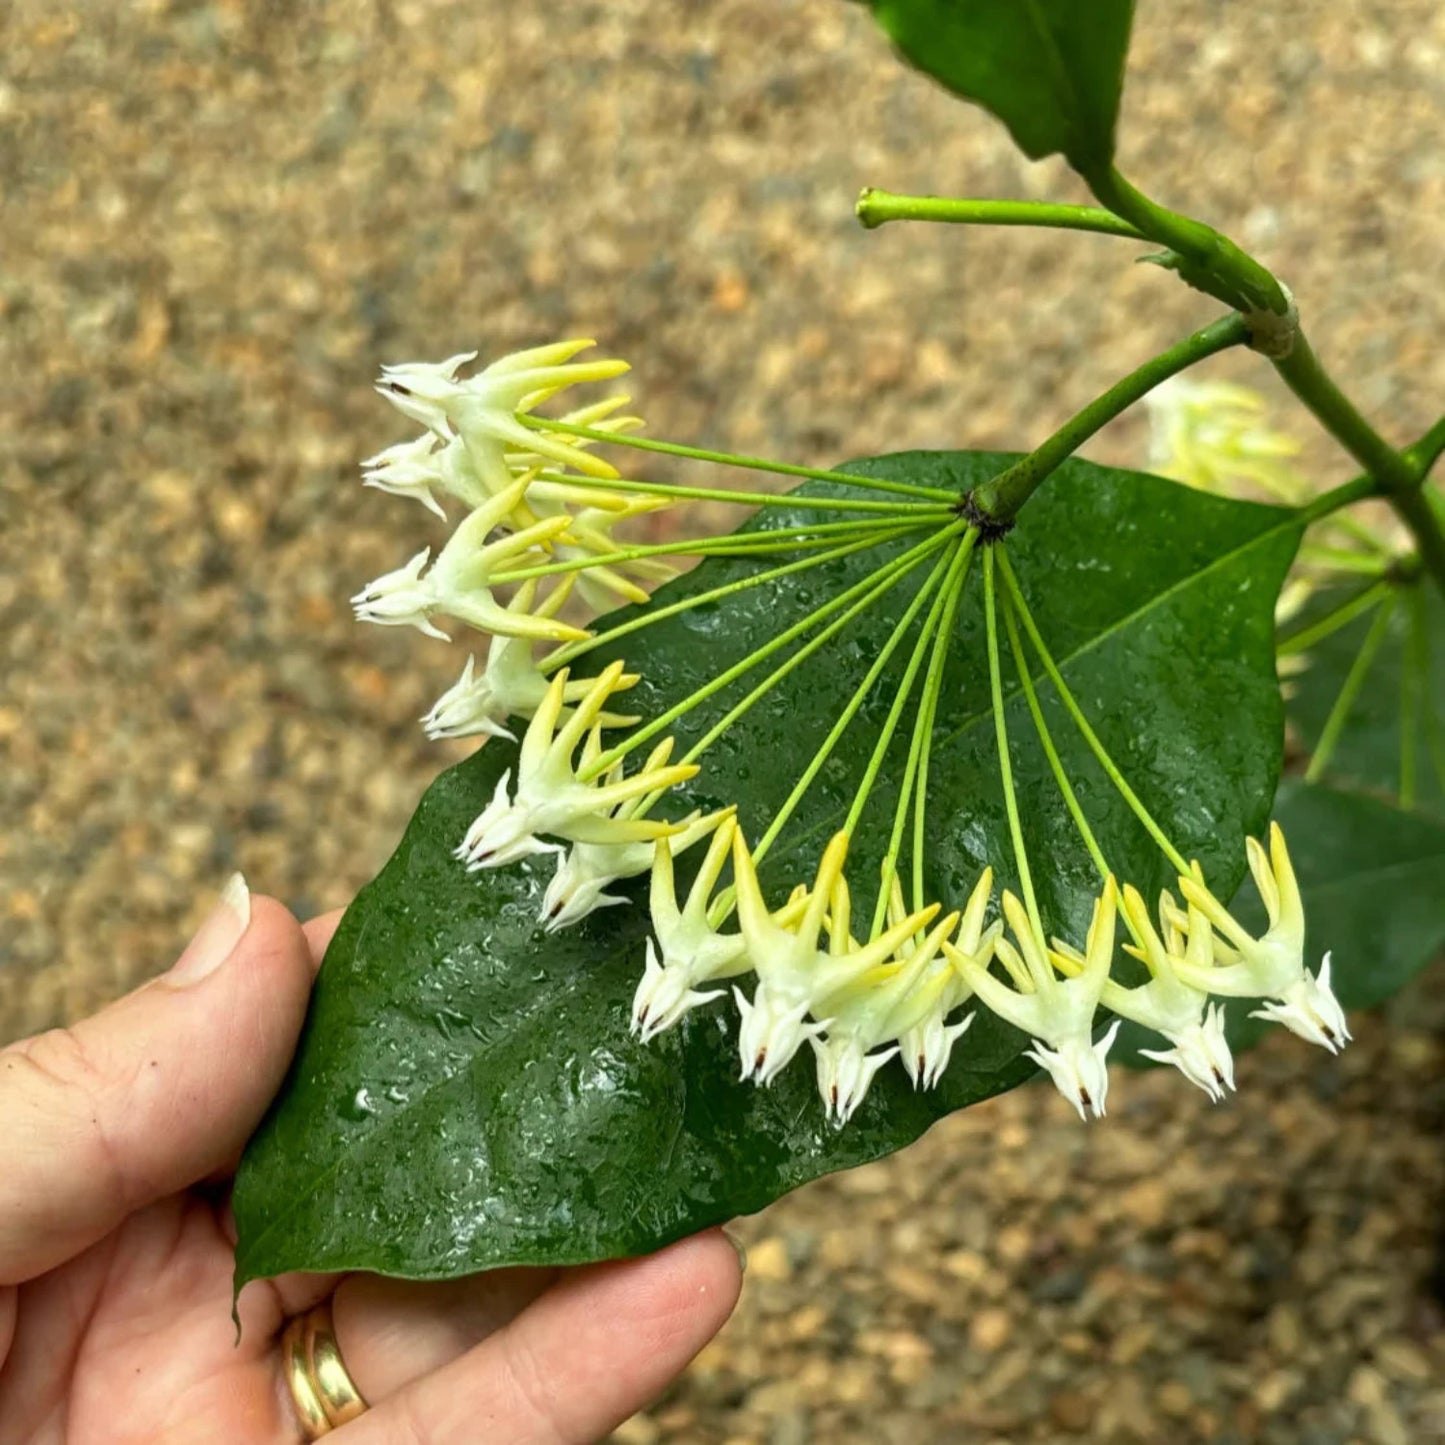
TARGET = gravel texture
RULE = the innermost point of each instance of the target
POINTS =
(215, 221)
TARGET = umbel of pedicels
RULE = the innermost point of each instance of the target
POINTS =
(535, 499)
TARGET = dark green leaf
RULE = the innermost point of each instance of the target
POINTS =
(466, 1093)
(1051, 70)
(1368, 754)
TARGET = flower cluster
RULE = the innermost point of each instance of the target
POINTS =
(535, 542)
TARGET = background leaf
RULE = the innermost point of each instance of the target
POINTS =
(1368, 753)
(466, 1093)
(1051, 70)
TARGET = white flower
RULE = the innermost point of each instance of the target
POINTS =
(926, 1044)
(483, 409)
(845, 1072)
(551, 798)
(417, 388)
(458, 583)
(587, 869)
(408, 469)
(1058, 1013)
(873, 1009)
(693, 952)
(1167, 1004)
(1270, 967)
(794, 974)
(1309, 1008)
(413, 469)
(511, 684)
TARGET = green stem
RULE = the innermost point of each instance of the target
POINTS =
(1213, 262)
(635, 739)
(1310, 382)
(1066, 788)
(730, 459)
(1343, 559)
(1336, 618)
(933, 688)
(895, 711)
(886, 582)
(741, 499)
(1397, 475)
(1358, 489)
(1354, 681)
(573, 650)
(1000, 498)
(1061, 778)
(1082, 723)
(876, 208)
(850, 709)
(1427, 451)
(1005, 762)
(918, 743)
(736, 544)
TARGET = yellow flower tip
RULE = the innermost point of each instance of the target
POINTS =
(642, 506)
(926, 915)
(835, 855)
(1017, 915)
(1014, 964)
(1134, 951)
(565, 632)
(594, 466)
(1135, 908)
(1065, 959)
(629, 591)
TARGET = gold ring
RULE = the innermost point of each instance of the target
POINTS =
(323, 1393)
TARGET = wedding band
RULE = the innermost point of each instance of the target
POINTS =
(321, 1390)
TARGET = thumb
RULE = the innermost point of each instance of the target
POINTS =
(153, 1093)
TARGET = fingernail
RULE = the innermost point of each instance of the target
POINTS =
(218, 936)
(737, 1244)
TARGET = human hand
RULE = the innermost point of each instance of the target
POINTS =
(121, 1135)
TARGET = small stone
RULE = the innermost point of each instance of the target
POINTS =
(1275, 1390)
(775, 1397)
(804, 1324)
(1175, 1399)
(639, 1430)
(1286, 1331)
(1384, 1426)
(990, 1330)
(1146, 1203)
(1071, 1410)
(965, 1264)
(1131, 1342)
(1402, 1359)
(1367, 1386)
(768, 1260)
(1014, 1243)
